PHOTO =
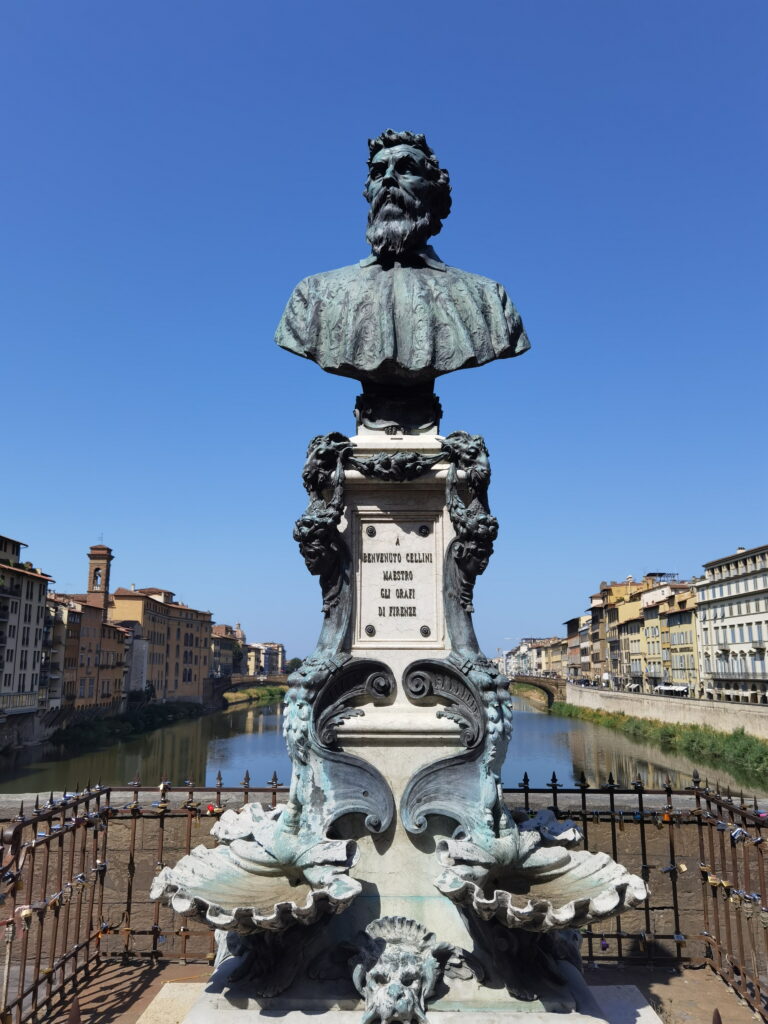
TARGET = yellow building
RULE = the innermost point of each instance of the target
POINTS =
(549, 656)
(629, 627)
(266, 658)
(679, 650)
(614, 635)
(626, 630)
(179, 640)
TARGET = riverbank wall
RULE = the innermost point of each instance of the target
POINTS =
(753, 719)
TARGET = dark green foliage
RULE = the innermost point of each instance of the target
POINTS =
(737, 752)
(255, 695)
(96, 732)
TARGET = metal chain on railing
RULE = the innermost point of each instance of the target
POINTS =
(734, 896)
(75, 877)
(53, 880)
(620, 821)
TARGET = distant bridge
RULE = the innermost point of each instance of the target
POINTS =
(553, 687)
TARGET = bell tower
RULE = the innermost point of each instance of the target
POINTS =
(99, 558)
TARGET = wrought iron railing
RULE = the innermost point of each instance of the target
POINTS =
(76, 873)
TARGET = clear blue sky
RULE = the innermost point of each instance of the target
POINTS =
(172, 169)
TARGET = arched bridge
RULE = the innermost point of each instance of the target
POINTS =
(553, 686)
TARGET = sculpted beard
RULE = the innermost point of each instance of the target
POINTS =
(393, 233)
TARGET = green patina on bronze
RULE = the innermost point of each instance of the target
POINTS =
(401, 317)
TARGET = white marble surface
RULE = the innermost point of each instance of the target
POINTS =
(398, 567)
(397, 534)
(173, 1003)
(620, 1004)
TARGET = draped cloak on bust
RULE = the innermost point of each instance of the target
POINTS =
(404, 323)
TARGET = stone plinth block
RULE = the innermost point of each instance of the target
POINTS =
(395, 880)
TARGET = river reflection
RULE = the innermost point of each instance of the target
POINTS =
(250, 739)
(569, 747)
(231, 742)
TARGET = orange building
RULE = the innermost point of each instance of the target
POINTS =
(175, 640)
(91, 653)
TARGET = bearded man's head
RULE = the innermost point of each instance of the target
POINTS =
(409, 193)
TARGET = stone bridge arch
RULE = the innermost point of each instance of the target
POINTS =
(554, 688)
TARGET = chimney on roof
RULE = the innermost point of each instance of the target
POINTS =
(133, 586)
(740, 551)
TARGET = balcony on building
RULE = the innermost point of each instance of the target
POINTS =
(18, 703)
(747, 674)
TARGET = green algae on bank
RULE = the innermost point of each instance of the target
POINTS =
(742, 755)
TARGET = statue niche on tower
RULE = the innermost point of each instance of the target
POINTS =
(401, 317)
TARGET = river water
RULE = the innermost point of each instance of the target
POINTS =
(250, 739)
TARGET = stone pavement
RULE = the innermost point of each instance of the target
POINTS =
(119, 994)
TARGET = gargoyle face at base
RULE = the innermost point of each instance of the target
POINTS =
(395, 988)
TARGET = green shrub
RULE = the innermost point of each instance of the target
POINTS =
(744, 756)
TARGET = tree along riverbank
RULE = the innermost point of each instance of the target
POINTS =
(96, 732)
(736, 752)
(255, 695)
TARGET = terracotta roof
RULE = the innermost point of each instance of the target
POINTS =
(28, 572)
(94, 600)
(149, 592)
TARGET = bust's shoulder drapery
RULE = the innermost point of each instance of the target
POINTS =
(412, 323)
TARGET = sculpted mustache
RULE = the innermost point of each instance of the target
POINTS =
(405, 201)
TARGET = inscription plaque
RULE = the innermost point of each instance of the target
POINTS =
(398, 580)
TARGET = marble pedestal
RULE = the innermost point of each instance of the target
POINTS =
(395, 872)
(397, 534)
(198, 1004)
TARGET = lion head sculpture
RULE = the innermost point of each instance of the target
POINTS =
(396, 969)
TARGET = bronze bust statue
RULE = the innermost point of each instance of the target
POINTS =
(401, 317)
